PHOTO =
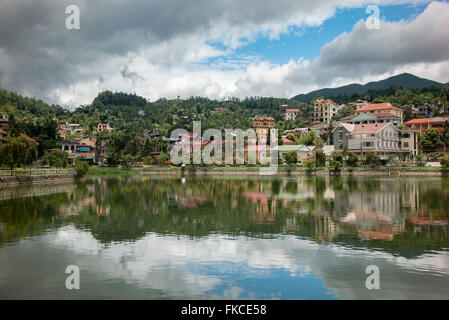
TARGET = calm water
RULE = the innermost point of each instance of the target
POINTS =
(222, 238)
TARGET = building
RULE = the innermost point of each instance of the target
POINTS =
(358, 104)
(427, 123)
(287, 142)
(103, 127)
(324, 111)
(262, 125)
(290, 114)
(429, 110)
(80, 149)
(298, 132)
(364, 118)
(409, 141)
(322, 128)
(381, 138)
(381, 108)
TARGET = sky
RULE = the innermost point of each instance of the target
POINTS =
(215, 48)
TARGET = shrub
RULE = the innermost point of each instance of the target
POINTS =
(444, 161)
(81, 168)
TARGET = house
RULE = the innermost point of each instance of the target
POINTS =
(298, 132)
(290, 114)
(429, 110)
(381, 108)
(381, 138)
(358, 104)
(324, 111)
(103, 127)
(322, 128)
(287, 142)
(304, 152)
(262, 125)
(409, 141)
(427, 123)
(363, 118)
(80, 149)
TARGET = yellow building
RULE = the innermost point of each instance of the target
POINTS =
(262, 125)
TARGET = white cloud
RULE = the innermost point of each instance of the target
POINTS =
(161, 50)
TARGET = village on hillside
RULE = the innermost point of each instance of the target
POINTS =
(373, 133)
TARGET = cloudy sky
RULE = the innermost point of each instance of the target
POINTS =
(215, 48)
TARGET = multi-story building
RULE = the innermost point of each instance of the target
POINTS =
(381, 108)
(409, 141)
(103, 127)
(429, 110)
(381, 138)
(262, 125)
(324, 111)
(290, 114)
(427, 123)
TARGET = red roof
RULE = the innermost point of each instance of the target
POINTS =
(29, 139)
(377, 106)
(264, 118)
(291, 110)
(286, 141)
(349, 117)
(425, 120)
(369, 127)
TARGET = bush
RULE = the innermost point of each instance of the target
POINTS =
(444, 161)
(352, 159)
(58, 159)
(310, 165)
(127, 161)
(163, 157)
(371, 159)
(291, 157)
(81, 168)
(337, 161)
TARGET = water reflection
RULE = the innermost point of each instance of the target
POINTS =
(306, 237)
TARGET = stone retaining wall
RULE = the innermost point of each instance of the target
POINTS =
(17, 180)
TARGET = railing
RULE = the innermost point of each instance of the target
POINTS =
(37, 172)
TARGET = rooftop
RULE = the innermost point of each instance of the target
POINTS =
(377, 106)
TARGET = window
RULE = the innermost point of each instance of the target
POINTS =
(405, 144)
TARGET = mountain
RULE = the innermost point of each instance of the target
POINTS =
(404, 80)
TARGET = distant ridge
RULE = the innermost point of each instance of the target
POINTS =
(404, 80)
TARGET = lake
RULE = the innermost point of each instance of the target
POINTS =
(136, 237)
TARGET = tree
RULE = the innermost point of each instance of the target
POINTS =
(444, 161)
(309, 139)
(113, 159)
(127, 161)
(337, 161)
(351, 159)
(290, 158)
(310, 165)
(320, 158)
(371, 159)
(431, 140)
(18, 151)
(58, 159)
(445, 135)
(161, 158)
(81, 168)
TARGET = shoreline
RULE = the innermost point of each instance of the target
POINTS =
(7, 181)
(393, 172)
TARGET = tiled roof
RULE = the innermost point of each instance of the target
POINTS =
(264, 118)
(426, 120)
(291, 110)
(377, 106)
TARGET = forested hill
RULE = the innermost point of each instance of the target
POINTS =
(404, 80)
(123, 110)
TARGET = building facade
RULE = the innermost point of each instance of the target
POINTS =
(290, 114)
(324, 110)
(381, 108)
(262, 125)
(380, 138)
